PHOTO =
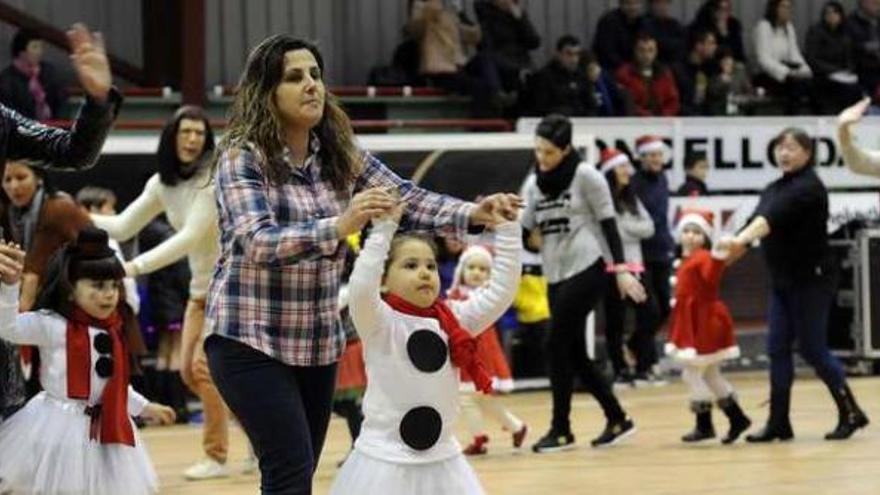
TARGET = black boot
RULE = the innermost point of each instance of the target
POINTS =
(177, 396)
(704, 429)
(850, 416)
(739, 422)
(778, 426)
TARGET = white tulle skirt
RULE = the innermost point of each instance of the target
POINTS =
(364, 474)
(45, 448)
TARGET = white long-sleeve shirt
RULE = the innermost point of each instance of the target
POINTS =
(393, 342)
(48, 331)
(633, 230)
(773, 46)
(191, 211)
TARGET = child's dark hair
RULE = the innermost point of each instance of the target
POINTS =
(94, 197)
(88, 257)
(399, 239)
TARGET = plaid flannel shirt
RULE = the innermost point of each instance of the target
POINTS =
(276, 282)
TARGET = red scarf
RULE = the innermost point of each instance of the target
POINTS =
(110, 421)
(35, 87)
(462, 347)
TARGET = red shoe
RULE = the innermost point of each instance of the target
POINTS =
(520, 436)
(478, 446)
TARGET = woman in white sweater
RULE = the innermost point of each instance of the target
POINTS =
(782, 69)
(182, 189)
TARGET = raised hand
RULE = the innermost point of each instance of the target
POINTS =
(89, 58)
(11, 263)
(854, 113)
(495, 209)
(364, 206)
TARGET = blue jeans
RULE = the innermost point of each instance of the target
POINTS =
(800, 313)
(283, 409)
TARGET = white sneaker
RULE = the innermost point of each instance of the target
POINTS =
(206, 469)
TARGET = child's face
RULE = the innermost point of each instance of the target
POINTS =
(98, 298)
(108, 208)
(692, 238)
(727, 65)
(412, 274)
(476, 272)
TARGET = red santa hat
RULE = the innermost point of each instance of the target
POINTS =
(475, 251)
(703, 219)
(611, 158)
(649, 143)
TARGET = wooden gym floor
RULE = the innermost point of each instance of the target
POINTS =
(653, 461)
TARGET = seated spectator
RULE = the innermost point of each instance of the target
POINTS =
(604, 97)
(863, 27)
(616, 34)
(830, 55)
(692, 75)
(650, 84)
(508, 37)
(443, 38)
(696, 168)
(782, 70)
(560, 86)
(730, 88)
(668, 31)
(716, 16)
(29, 85)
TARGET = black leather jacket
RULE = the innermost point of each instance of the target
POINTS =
(50, 147)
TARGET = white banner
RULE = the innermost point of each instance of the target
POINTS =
(738, 148)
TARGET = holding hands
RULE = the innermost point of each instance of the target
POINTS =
(159, 414)
(11, 263)
(496, 208)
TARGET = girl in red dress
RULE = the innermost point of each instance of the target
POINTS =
(701, 329)
(472, 272)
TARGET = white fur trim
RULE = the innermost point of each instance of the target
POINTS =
(690, 357)
(657, 145)
(614, 162)
(695, 219)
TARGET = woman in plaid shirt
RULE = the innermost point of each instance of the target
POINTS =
(291, 185)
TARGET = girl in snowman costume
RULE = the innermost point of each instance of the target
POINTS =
(415, 345)
(77, 436)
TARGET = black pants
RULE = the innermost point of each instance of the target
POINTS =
(641, 343)
(794, 92)
(656, 282)
(350, 409)
(283, 409)
(571, 301)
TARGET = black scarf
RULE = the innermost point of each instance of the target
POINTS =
(554, 182)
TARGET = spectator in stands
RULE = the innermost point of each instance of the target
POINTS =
(830, 55)
(604, 97)
(78, 148)
(444, 38)
(715, 15)
(694, 72)
(560, 86)
(616, 34)
(782, 70)
(29, 85)
(696, 168)
(650, 84)
(508, 37)
(730, 88)
(668, 31)
(863, 27)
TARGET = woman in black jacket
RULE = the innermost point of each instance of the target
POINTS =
(829, 53)
(791, 219)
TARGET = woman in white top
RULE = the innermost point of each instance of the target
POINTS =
(782, 69)
(182, 189)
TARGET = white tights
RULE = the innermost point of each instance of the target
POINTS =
(475, 405)
(706, 382)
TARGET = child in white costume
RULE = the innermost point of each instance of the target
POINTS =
(75, 437)
(412, 341)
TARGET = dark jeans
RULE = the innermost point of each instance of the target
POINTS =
(283, 409)
(800, 312)
(570, 302)
(641, 343)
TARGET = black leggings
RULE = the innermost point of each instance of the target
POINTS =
(641, 343)
(570, 303)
